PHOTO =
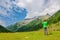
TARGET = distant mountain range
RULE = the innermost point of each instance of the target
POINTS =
(29, 21)
(31, 24)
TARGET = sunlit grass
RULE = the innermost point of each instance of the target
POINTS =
(35, 35)
(53, 34)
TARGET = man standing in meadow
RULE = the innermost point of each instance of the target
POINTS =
(45, 27)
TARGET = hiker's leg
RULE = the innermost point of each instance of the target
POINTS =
(45, 31)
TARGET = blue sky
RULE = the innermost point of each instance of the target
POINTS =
(12, 11)
(12, 14)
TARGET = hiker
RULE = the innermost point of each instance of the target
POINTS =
(45, 27)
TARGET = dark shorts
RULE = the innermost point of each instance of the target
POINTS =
(45, 28)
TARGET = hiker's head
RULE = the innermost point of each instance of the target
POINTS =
(45, 20)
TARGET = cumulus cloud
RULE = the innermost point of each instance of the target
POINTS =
(33, 6)
(29, 1)
(21, 4)
(51, 7)
(40, 7)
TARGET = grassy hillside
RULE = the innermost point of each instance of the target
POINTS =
(18, 25)
(3, 29)
(33, 25)
(54, 18)
(54, 22)
(13, 28)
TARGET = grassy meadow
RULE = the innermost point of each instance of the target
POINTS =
(35, 35)
(53, 34)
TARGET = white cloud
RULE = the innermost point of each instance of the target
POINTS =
(3, 12)
(54, 7)
(34, 7)
(29, 1)
(51, 10)
(37, 7)
(2, 22)
(51, 7)
(21, 4)
(31, 15)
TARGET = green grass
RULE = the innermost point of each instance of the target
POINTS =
(34, 35)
